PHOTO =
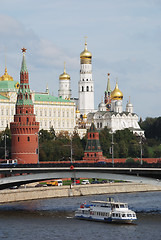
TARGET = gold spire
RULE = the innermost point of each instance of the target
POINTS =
(116, 93)
(64, 75)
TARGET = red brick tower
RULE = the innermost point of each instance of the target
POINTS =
(24, 129)
(93, 152)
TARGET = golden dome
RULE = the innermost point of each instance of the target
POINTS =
(77, 110)
(64, 75)
(84, 116)
(116, 94)
(86, 54)
(6, 77)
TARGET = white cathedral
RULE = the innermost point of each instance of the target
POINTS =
(66, 113)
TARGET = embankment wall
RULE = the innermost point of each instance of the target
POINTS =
(23, 194)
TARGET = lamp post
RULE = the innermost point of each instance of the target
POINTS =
(112, 150)
(141, 151)
(37, 150)
(5, 145)
(71, 149)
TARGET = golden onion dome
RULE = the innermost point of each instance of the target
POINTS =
(86, 54)
(116, 94)
(77, 110)
(84, 116)
(6, 77)
(64, 75)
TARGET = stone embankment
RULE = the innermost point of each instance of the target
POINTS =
(22, 194)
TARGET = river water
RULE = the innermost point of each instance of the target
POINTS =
(52, 219)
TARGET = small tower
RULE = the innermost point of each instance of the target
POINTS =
(64, 85)
(93, 152)
(129, 107)
(24, 129)
(47, 89)
(107, 98)
(86, 84)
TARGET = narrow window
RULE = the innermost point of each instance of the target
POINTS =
(18, 139)
(87, 89)
(28, 139)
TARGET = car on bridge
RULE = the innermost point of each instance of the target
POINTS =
(85, 181)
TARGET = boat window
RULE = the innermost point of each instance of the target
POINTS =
(128, 215)
(133, 215)
(117, 206)
(123, 215)
(122, 205)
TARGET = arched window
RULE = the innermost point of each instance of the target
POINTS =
(28, 139)
(18, 139)
(87, 88)
(27, 119)
(82, 89)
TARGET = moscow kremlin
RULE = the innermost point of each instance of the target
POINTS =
(27, 111)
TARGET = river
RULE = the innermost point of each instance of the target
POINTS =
(53, 219)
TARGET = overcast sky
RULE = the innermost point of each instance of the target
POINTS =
(124, 37)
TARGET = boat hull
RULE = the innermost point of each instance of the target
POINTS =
(107, 220)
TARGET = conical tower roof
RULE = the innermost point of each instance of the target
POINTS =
(24, 95)
(108, 89)
(24, 66)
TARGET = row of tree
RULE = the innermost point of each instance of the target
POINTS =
(126, 144)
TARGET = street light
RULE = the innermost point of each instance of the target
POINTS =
(112, 148)
(141, 151)
(37, 150)
(71, 148)
(5, 145)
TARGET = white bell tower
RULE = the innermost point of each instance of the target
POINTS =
(86, 84)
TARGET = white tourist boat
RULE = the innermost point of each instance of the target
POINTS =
(106, 211)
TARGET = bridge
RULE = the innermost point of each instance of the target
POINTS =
(18, 176)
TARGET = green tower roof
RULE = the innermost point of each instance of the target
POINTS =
(24, 66)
